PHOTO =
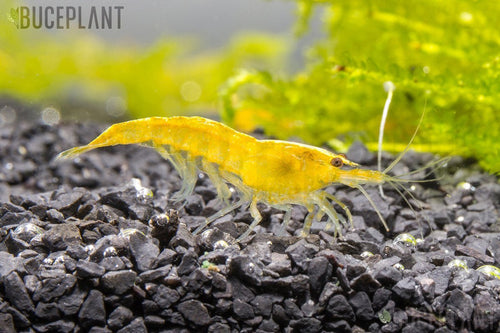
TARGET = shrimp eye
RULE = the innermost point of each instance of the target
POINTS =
(336, 162)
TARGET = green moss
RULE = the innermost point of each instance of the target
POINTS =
(440, 54)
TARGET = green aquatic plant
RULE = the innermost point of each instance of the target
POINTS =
(458, 263)
(444, 54)
(384, 316)
(76, 71)
(490, 270)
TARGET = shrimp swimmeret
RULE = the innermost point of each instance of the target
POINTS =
(277, 173)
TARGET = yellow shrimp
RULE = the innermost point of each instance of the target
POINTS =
(277, 173)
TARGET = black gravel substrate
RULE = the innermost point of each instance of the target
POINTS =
(95, 245)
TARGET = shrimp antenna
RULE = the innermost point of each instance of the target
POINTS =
(370, 200)
(405, 190)
(389, 87)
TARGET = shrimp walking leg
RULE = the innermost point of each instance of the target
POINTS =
(342, 205)
(223, 192)
(189, 176)
(187, 172)
(325, 207)
(219, 214)
(308, 221)
(256, 220)
(286, 220)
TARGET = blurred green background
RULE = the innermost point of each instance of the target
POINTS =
(324, 86)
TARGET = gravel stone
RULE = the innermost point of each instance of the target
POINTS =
(97, 329)
(112, 264)
(458, 308)
(87, 269)
(263, 304)
(20, 320)
(194, 205)
(380, 298)
(465, 280)
(136, 326)
(309, 308)
(144, 251)
(405, 289)
(120, 317)
(219, 327)
(301, 252)
(16, 293)
(61, 235)
(319, 272)
(362, 306)
(297, 285)
(388, 276)
(279, 315)
(292, 310)
(15, 218)
(166, 257)
(354, 267)
(358, 153)
(54, 216)
(280, 263)
(361, 207)
(340, 326)
(102, 247)
(428, 287)
(242, 310)
(60, 326)
(418, 327)
(195, 312)
(118, 282)
(268, 325)
(67, 202)
(247, 270)
(441, 277)
(47, 311)
(155, 274)
(470, 252)
(154, 322)
(365, 282)
(486, 316)
(306, 325)
(188, 264)
(7, 323)
(165, 296)
(9, 263)
(92, 311)
(71, 303)
(54, 287)
(183, 238)
(339, 308)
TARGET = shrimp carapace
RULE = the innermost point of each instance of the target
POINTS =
(277, 173)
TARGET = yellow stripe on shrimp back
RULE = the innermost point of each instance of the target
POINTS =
(277, 173)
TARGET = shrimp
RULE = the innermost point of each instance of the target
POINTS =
(277, 173)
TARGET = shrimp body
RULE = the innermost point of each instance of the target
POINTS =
(277, 173)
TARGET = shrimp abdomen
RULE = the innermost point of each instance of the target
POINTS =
(198, 136)
(215, 142)
(129, 132)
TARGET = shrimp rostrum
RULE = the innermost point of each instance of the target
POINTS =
(277, 173)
